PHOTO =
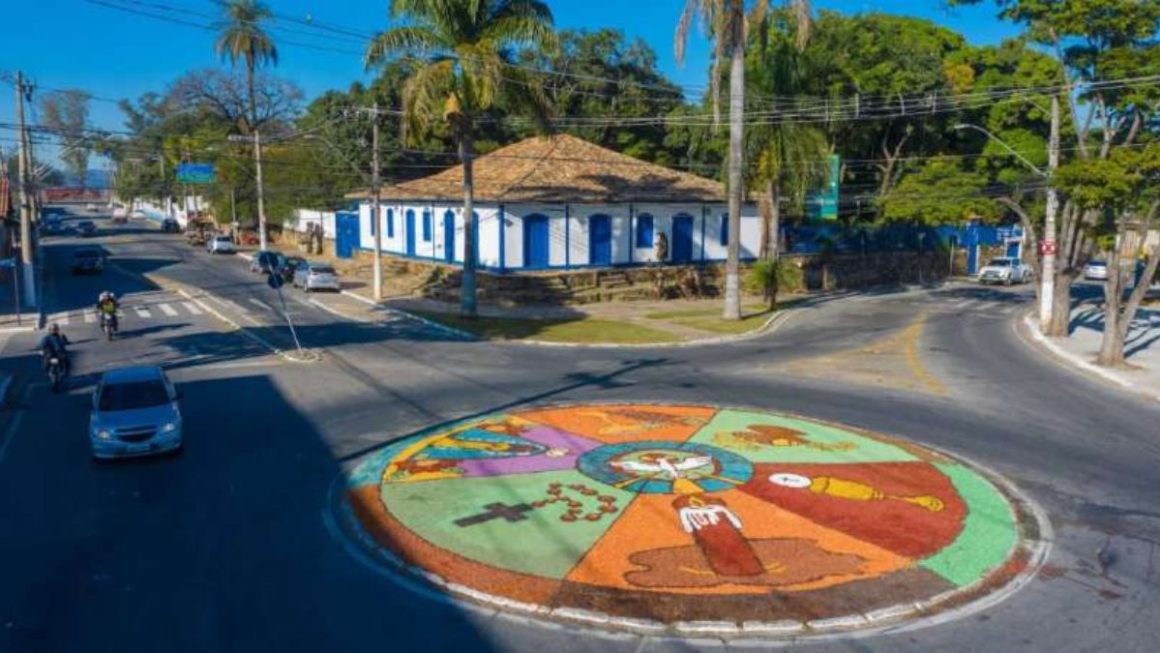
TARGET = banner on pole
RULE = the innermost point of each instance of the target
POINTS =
(195, 173)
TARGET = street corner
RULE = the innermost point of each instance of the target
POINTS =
(693, 518)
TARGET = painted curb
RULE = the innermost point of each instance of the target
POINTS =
(1079, 363)
(411, 316)
(902, 617)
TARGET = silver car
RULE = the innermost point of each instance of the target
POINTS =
(313, 275)
(219, 245)
(135, 413)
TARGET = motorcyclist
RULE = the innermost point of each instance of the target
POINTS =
(107, 308)
(54, 343)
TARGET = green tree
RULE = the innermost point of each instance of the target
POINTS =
(467, 71)
(67, 114)
(241, 36)
(727, 22)
(941, 192)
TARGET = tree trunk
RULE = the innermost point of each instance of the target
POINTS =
(1061, 306)
(1116, 334)
(736, 189)
(774, 243)
(467, 306)
(1112, 344)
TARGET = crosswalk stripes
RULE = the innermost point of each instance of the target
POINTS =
(167, 309)
(90, 317)
(192, 308)
(963, 304)
(142, 312)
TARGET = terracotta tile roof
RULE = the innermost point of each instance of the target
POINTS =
(559, 169)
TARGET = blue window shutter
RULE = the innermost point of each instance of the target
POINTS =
(390, 223)
(644, 230)
(725, 229)
(426, 226)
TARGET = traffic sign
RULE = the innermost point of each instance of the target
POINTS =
(275, 281)
(195, 173)
(7, 262)
(1047, 247)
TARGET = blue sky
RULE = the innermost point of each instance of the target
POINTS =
(114, 54)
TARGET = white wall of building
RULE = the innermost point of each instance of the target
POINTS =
(306, 218)
(568, 231)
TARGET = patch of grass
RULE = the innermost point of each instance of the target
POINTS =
(580, 330)
(709, 318)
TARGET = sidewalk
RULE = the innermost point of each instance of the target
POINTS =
(26, 322)
(1142, 351)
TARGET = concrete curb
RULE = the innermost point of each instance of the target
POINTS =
(411, 316)
(903, 617)
(1079, 364)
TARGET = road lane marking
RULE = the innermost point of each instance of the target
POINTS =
(90, 317)
(961, 305)
(257, 302)
(142, 312)
(192, 308)
(167, 309)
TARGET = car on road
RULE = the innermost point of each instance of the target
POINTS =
(1095, 271)
(1006, 270)
(135, 413)
(88, 260)
(52, 226)
(313, 275)
(170, 226)
(138, 215)
(220, 244)
(289, 266)
(266, 261)
(87, 228)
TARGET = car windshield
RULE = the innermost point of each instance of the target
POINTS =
(222, 239)
(1098, 264)
(322, 269)
(132, 396)
(999, 263)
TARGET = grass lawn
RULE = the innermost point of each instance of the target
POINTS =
(589, 331)
(709, 319)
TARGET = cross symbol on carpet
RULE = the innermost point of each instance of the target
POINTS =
(496, 511)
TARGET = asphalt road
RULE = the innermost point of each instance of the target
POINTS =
(228, 547)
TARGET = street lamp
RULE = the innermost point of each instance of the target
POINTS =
(1048, 245)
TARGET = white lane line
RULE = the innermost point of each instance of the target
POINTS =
(142, 312)
(990, 306)
(192, 308)
(167, 309)
(257, 302)
(90, 317)
(961, 305)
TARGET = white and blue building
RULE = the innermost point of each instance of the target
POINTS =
(551, 203)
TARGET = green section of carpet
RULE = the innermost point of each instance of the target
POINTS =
(539, 544)
(989, 531)
(821, 443)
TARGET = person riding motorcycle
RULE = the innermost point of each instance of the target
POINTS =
(54, 343)
(107, 309)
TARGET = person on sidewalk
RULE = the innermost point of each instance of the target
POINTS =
(662, 248)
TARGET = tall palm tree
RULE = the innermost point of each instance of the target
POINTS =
(727, 22)
(241, 36)
(466, 47)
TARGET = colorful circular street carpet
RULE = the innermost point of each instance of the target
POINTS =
(673, 513)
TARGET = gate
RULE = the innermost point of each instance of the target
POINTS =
(346, 234)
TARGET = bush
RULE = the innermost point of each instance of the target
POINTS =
(783, 275)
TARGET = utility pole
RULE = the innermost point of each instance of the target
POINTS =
(261, 196)
(378, 226)
(1047, 283)
(26, 209)
(233, 214)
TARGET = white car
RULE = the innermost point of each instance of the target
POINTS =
(1005, 270)
(138, 215)
(1095, 271)
(135, 413)
(219, 245)
(313, 275)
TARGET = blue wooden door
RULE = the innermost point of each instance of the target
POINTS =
(600, 240)
(410, 232)
(1013, 248)
(682, 245)
(449, 236)
(346, 234)
(536, 241)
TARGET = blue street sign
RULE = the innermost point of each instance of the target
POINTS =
(7, 262)
(195, 173)
(275, 281)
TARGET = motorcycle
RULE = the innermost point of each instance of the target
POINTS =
(56, 372)
(109, 325)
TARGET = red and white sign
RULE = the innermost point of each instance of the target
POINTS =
(1047, 247)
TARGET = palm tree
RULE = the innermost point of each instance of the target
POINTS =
(727, 22)
(790, 159)
(240, 36)
(466, 70)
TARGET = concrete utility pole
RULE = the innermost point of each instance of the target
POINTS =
(261, 194)
(376, 188)
(1047, 283)
(26, 207)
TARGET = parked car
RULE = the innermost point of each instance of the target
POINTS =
(219, 244)
(138, 215)
(170, 226)
(313, 275)
(289, 266)
(88, 260)
(1005, 270)
(1095, 271)
(266, 261)
(87, 228)
(52, 226)
(135, 413)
